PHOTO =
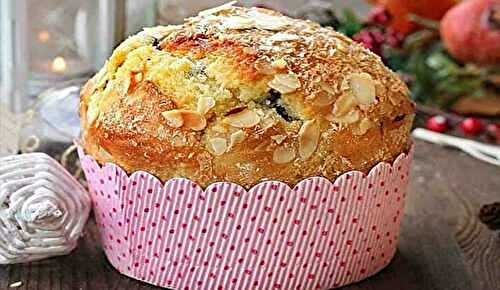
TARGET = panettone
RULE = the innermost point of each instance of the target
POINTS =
(244, 95)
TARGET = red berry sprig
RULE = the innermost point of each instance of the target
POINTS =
(379, 15)
(371, 38)
(376, 34)
(468, 126)
(471, 126)
(493, 132)
(437, 124)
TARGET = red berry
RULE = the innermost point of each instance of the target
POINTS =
(379, 15)
(437, 123)
(393, 38)
(471, 126)
(378, 36)
(371, 38)
(493, 132)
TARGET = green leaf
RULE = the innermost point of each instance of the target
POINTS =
(350, 24)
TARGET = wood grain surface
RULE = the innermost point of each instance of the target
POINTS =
(443, 245)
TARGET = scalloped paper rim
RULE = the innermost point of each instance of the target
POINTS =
(345, 208)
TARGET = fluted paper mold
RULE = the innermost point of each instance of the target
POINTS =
(43, 209)
(316, 235)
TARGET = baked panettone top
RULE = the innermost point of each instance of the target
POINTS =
(244, 94)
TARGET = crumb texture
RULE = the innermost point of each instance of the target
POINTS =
(244, 95)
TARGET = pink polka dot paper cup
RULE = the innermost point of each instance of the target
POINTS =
(317, 235)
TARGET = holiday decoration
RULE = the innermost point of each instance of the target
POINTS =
(471, 31)
(43, 209)
(379, 15)
(401, 12)
(493, 132)
(471, 126)
(437, 124)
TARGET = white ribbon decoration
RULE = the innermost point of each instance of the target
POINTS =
(43, 209)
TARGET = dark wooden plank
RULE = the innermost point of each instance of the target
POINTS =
(429, 255)
(470, 186)
(442, 246)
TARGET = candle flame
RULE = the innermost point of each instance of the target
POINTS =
(59, 65)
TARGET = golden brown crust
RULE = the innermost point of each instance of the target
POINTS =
(244, 95)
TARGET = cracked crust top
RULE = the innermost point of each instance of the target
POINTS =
(243, 95)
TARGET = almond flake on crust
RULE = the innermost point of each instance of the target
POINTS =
(268, 22)
(217, 9)
(283, 155)
(285, 83)
(280, 37)
(243, 119)
(205, 104)
(308, 138)
(238, 22)
(218, 145)
(236, 137)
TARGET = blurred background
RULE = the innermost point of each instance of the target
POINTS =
(448, 52)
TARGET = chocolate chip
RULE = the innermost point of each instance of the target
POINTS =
(272, 100)
(399, 118)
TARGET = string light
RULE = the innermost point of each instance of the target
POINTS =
(59, 65)
(43, 36)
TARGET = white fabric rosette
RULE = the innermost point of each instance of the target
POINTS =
(43, 209)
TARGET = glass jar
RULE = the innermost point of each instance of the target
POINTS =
(46, 42)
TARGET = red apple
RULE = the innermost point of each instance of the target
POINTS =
(471, 31)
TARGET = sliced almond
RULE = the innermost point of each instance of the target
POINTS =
(238, 22)
(364, 126)
(218, 145)
(308, 138)
(236, 137)
(283, 155)
(267, 122)
(205, 104)
(217, 9)
(349, 118)
(285, 83)
(363, 88)
(281, 37)
(159, 31)
(193, 120)
(264, 67)
(278, 138)
(322, 99)
(243, 119)
(187, 118)
(268, 22)
(93, 111)
(325, 96)
(344, 105)
(174, 118)
(279, 64)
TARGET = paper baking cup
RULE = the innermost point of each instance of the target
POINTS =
(316, 235)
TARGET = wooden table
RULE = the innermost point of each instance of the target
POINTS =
(443, 244)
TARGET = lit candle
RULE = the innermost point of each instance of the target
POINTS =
(59, 65)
